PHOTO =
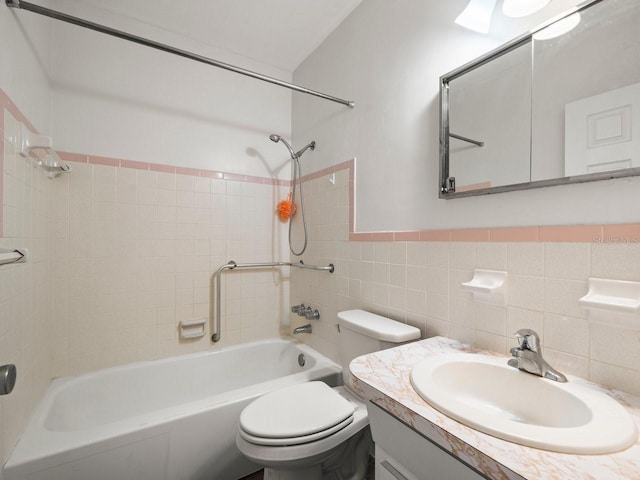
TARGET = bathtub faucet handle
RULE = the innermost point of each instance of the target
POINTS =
(299, 309)
(310, 314)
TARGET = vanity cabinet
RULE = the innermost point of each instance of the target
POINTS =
(403, 454)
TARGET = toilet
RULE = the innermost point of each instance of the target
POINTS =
(311, 431)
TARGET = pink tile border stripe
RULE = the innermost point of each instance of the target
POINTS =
(157, 167)
(622, 233)
(597, 234)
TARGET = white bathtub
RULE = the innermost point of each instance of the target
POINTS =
(170, 419)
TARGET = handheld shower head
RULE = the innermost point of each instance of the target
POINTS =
(277, 138)
(297, 174)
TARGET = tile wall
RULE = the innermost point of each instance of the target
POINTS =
(136, 250)
(124, 250)
(25, 289)
(418, 282)
(121, 252)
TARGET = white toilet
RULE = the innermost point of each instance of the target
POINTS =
(311, 431)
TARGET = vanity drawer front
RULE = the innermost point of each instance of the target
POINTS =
(408, 454)
(388, 468)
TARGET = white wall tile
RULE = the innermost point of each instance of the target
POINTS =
(614, 376)
(491, 255)
(561, 296)
(567, 260)
(566, 334)
(490, 319)
(616, 261)
(398, 253)
(526, 292)
(520, 318)
(463, 255)
(417, 254)
(438, 254)
(526, 258)
(398, 275)
(616, 346)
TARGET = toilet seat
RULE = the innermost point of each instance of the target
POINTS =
(276, 442)
(295, 415)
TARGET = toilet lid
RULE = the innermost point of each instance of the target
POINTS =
(295, 440)
(312, 410)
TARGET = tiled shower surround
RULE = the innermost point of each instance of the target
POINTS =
(122, 251)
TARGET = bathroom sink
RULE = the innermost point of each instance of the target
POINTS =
(484, 393)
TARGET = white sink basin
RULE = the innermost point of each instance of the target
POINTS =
(484, 393)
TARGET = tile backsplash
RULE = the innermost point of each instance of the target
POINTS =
(418, 282)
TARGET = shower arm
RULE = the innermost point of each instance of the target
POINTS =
(168, 49)
(231, 265)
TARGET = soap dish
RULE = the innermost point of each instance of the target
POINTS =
(192, 328)
(488, 286)
(486, 281)
(614, 295)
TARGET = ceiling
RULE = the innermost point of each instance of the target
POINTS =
(281, 33)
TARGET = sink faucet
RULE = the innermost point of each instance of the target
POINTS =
(302, 329)
(527, 356)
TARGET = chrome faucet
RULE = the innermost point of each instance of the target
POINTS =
(527, 356)
(302, 329)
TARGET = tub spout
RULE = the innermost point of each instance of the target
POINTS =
(302, 329)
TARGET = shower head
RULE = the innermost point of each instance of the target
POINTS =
(294, 155)
(277, 138)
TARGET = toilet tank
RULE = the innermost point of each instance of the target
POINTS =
(365, 332)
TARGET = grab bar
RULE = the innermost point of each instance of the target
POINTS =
(19, 255)
(231, 265)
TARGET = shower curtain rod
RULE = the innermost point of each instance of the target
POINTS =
(166, 48)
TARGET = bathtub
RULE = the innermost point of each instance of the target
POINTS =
(170, 419)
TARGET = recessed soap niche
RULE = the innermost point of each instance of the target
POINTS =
(192, 328)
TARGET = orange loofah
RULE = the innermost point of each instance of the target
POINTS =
(285, 209)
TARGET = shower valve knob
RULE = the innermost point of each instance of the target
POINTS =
(299, 309)
(312, 314)
(8, 375)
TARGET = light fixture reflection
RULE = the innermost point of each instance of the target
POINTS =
(558, 28)
(522, 8)
(477, 15)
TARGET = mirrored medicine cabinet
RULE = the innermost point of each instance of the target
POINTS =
(546, 108)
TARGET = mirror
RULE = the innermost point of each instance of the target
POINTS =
(547, 108)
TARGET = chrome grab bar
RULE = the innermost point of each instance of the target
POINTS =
(231, 265)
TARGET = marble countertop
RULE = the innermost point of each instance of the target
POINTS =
(383, 378)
